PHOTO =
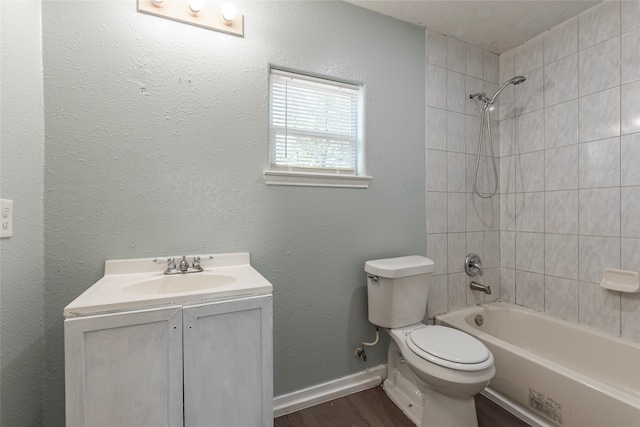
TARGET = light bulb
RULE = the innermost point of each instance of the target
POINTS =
(228, 13)
(195, 6)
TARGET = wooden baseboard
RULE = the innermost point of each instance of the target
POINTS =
(321, 393)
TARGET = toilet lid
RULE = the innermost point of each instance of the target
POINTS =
(442, 344)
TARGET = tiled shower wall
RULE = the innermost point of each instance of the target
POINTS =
(569, 147)
(570, 168)
(457, 221)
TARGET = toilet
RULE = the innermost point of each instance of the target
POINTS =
(433, 372)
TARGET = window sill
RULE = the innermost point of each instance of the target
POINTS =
(307, 179)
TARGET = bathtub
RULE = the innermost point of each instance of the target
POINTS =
(555, 373)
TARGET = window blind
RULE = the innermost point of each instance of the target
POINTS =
(313, 123)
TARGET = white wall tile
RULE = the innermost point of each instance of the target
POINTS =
(507, 65)
(561, 298)
(436, 128)
(508, 174)
(530, 290)
(561, 124)
(561, 212)
(530, 252)
(530, 172)
(472, 129)
(630, 67)
(600, 212)
(474, 61)
(436, 212)
(599, 66)
(492, 278)
(491, 219)
(475, 212)
(490, 69)
(530, 212)
(599, 115)
(629, 155)
(456, 97)
(456, 252)
(436, 87)
(561, 168)
(595, 254)
(561, 255)
(508, 136)
(529, 56)
(437, 251)
(630, 107)
(508, 249)
(598, 24)
(630, 14)
(530, 94)
(475, 244)
(456, 132)
(436, 49)
(508, 212)
(455, 172)
(630, 319)
(630, 208)
(600, 163)
(561, 80)
(629, 250)
(491, 241)
(599, 308)
(437, 301)
(507, 103)
(457, 291)
(436, 170)
(473, 106)
(456, 54)
(561, 41)
(508, 284)
(456, 212)
(530, 132)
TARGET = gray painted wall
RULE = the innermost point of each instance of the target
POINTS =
(21, 256)
(156, 136)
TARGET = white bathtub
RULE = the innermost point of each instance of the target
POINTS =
(567, 374)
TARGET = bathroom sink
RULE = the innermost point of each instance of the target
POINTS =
(141, 283)
(178, 283)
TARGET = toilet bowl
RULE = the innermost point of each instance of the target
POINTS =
(433, 372)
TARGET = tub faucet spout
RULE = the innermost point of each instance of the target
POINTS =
(482, 288)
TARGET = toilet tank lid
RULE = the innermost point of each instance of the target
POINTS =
(393, 268)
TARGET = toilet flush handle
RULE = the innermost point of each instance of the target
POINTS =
(374, 278)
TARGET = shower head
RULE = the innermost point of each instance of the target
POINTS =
(514, 81)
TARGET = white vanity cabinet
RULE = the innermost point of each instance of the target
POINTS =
(135, 368)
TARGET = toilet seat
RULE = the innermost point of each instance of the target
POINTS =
(449, 348)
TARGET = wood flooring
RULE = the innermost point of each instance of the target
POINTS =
(373, 408)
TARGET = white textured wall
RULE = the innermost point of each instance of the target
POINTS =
(156, 143)
(22, 263)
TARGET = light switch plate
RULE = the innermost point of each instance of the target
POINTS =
(6, 218)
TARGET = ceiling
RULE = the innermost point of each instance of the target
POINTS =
(496, 26)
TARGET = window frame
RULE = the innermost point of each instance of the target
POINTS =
(318, 176)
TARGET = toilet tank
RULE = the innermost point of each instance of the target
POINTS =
(397, 290)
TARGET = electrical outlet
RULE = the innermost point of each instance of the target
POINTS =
(6, 218)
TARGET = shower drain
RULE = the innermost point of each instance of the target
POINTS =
(479, 319)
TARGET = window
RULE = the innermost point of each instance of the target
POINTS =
(315, 132)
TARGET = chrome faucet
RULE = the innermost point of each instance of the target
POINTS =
(183, 267)
(473, 265)
(480, 287)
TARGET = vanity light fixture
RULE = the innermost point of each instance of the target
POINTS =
(228, 13)
(201, 13)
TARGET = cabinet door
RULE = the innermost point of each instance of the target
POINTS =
(124, 369)
(228, 363)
